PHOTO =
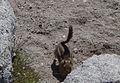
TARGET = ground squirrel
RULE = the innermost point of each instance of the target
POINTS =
(62, 53)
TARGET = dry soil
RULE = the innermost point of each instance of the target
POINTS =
(42, 24)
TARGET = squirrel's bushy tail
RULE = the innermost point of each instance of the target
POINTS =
(70, 34)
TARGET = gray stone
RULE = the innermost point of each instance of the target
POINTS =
(104, 68)
(7, 29)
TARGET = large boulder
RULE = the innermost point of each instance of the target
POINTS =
(104, 68)
(7, 28)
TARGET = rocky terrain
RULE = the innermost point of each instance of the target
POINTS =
(42, 24)
(104, 68)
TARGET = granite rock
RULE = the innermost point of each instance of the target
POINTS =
(104, 68)
(7, 29)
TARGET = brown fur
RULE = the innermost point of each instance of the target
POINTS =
(62, 53)
(65, 66)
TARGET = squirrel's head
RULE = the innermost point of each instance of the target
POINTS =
(66, 66)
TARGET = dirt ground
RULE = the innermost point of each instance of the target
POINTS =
(42, 24)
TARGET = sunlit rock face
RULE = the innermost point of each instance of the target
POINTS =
(104, 68)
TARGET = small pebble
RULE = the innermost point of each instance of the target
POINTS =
(1, 65)
(18, 73)
(42, 64)
(24, 74)
(63, 36)
(23, 67)
(84, 0)
(75, 49)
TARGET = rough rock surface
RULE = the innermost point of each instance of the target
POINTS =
(7, 28)
(104, 68)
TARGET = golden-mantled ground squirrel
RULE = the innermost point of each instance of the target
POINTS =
(62, 53)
